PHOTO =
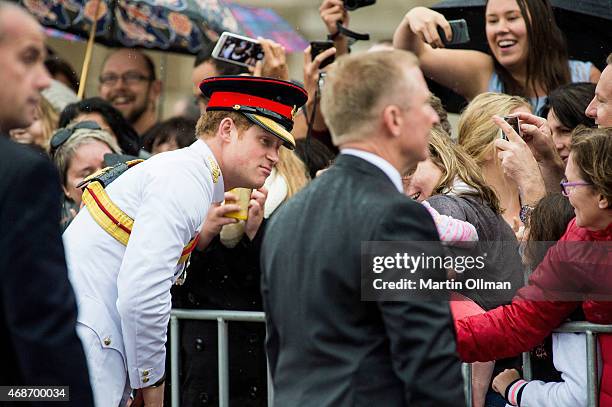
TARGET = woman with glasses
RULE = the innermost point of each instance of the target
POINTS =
(78, 151)
(576, 272)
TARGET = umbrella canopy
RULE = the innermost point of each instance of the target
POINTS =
(264, 22)
(585, 24)
(171, 25)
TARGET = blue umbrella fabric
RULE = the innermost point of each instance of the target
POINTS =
(169, 25)
(264, 22)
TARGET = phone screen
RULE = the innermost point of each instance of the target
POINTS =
(239, 50)
(514, 122)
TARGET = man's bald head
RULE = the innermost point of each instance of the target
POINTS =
(22, 71)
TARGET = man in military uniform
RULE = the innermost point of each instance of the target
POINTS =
(131, 243)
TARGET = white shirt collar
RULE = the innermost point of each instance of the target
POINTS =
(203, 150)
(380, 162)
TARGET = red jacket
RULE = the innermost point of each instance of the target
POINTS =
(555, 289)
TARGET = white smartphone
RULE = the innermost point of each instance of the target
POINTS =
(237, 49)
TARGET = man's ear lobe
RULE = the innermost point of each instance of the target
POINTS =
(225, 129)
(603, 202)
(391, 119)
(156, 86)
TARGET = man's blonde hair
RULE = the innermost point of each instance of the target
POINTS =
(477, 131)
(209, 122)
(355, 87)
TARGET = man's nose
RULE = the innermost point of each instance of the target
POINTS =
(273, 154)
(43, 78)
(591, 110)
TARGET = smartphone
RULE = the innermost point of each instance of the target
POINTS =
(316, 47)
(237, 49)
(515, 123)
(461, 34)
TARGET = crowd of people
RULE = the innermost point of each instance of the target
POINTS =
(110, 218)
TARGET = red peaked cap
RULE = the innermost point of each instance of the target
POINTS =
(267, 102)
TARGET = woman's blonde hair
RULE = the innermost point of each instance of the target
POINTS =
(50, 119)
(293, 170)
(456, 164)
(477, 131)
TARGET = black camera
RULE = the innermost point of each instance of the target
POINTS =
(355, 4)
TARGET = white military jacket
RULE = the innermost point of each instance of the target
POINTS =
(123, 292)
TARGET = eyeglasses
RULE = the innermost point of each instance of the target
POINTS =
(568, 187)
(129, 78)
(62, 135)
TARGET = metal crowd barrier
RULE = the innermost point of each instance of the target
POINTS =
(591, 331)
(222, 317)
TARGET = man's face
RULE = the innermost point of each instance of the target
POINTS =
(204, 70)
(126, 83)
(600, 107)
(418, 119)
(22, 71)
(251, 155)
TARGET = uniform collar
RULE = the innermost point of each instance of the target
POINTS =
(202, 149)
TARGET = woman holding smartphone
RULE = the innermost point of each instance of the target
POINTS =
(528, 52)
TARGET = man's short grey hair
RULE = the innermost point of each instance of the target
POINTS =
(609, 60)
(64, 154)
(356, 87)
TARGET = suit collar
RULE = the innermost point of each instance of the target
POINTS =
(354, 163)
(391, 172)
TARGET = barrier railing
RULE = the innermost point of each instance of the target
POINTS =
(222, 317)
(591, 331)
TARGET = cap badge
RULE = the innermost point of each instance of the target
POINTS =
(237, 107)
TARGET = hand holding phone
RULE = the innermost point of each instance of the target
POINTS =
(237, 49)
(316, 47)
(461, 34)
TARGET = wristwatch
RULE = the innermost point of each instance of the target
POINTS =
(525, 213)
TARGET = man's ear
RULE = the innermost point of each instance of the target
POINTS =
(156, 88)
(225, 129)
(392, 119)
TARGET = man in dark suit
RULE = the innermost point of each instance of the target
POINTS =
(327, 347)
(38, 341)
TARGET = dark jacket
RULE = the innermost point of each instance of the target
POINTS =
(38, 340)
(327, 347)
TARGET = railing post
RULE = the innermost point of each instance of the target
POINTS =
(466, 372)
(174, 361)
(527, 374)
(223, 363)
(592, 376)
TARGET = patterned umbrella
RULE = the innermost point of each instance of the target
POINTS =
(169, 25)
(264, 22)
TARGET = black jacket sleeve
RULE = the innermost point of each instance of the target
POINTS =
(38, 301)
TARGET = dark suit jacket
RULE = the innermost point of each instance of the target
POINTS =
(38, 340)
(325, 346)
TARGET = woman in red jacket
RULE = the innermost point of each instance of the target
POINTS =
(576, 271)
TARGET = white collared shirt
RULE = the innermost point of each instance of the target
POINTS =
(380, 162)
